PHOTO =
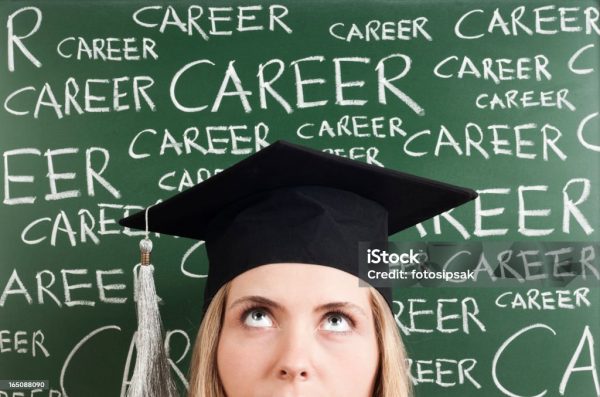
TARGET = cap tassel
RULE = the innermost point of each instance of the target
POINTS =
(151, 375)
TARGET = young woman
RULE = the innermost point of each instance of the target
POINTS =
(284, 330)
(284, 315)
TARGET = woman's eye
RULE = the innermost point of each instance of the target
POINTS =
(257, 318)
(337, 323)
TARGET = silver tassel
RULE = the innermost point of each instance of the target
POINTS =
(151, 376)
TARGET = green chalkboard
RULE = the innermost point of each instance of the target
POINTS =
(108, 107)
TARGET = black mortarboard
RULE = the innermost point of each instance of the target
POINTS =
(289, 203)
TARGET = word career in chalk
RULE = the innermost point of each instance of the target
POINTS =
(107, 49)
(307, 74)
(534, 299)
(375, 30)
(213, 21)
(81, 226)
(76, 97)
(499, 70)
(526, 21)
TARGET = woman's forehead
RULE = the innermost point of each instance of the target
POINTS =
(296, 283)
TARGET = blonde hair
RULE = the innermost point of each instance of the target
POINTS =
(392, 378)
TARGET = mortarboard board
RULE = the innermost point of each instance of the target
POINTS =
(291, 204)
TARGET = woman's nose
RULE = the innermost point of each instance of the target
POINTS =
(294, 361)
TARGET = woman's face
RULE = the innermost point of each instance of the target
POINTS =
(297, 330)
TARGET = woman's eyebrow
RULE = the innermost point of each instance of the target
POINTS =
(341, 305)
(261, 300)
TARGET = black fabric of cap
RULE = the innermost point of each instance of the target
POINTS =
(291, 204)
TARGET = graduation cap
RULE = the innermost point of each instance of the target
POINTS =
(291, 204)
